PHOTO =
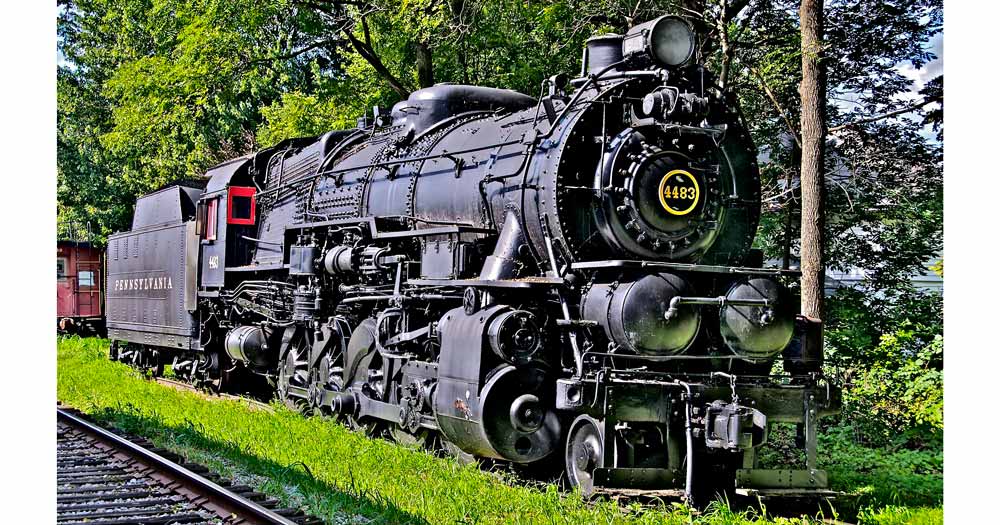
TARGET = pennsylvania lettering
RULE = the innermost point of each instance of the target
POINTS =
(143, 283)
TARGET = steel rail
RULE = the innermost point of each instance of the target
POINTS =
(248, 510)
(219, 396)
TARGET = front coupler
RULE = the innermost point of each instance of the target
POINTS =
(666, 434)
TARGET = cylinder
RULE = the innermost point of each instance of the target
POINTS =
(301, 260)
(305, 303)
(515, 336)
(338, 260)
(633, 314)
(510, 419)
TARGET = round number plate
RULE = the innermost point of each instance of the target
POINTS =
(679, 192)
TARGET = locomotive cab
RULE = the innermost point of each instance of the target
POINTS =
(227, 214)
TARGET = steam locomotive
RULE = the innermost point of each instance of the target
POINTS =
(569, 277)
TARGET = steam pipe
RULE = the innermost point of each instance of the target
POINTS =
(576, 96)
(689, 442)
(720, 301)
(423, 297)
(501, 264)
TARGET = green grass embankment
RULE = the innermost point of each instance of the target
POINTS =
(341, 475)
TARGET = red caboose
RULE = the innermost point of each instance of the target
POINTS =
(79, 287)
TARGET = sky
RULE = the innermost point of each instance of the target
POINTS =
(925, 74)
(920, 77)
(930, 70)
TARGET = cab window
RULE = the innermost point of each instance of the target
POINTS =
(242, 203)
(208, 219)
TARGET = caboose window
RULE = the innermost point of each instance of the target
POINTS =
(61, 268)
(242, 203)
(86, 278)
(212, 219)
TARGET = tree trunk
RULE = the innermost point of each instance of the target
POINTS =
(463, 58)
(367, 52)
(425, 67)
(722, 26)
(813, 126)
(457, 16)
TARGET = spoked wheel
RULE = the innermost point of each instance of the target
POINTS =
(584, 452)
(293, 375)
(369, 365)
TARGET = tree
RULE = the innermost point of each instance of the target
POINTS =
(813, 94)
(882, 173)
(156, 91)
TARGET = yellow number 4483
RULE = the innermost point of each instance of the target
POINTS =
(678, 193)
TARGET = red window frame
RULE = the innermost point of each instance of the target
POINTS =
(211, 219)
(241, 191)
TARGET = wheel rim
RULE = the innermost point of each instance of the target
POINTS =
(295, 373)
(369, 425)
(584, 453)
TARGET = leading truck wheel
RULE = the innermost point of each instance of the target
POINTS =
(584, 452)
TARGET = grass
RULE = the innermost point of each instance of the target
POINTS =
(879, 477)
(344, 476)
(874, 477)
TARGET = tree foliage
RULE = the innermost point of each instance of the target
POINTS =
(887, 348)
(158, 90)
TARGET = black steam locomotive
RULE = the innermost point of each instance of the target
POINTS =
(513, 277)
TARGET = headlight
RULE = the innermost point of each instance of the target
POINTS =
(668, 41)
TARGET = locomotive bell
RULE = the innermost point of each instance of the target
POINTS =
(633, 314)
(757, 332)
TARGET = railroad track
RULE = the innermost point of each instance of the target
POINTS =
(180, 385)
(106, 479)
